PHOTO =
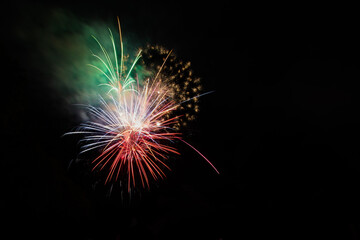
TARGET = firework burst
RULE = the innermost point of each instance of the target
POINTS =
(133, 127)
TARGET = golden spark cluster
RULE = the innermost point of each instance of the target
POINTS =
(179, 79)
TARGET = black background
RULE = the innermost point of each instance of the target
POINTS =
(282, 128)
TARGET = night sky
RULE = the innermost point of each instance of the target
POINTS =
(282, 127)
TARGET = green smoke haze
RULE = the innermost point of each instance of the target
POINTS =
(60, 47)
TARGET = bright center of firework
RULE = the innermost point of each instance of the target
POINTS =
(138, 126)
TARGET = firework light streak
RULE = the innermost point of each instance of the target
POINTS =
(131, 127)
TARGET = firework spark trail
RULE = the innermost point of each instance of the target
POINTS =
(132, 129)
